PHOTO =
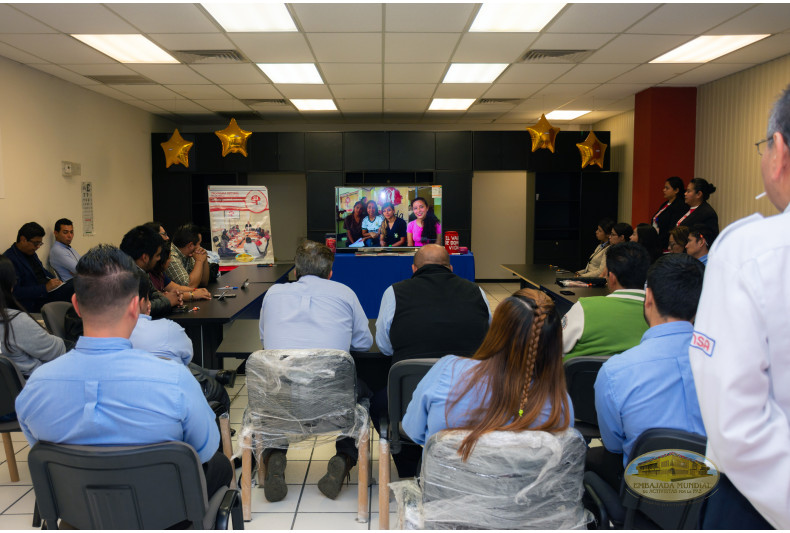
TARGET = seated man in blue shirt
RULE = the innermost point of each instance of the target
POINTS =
(104, 392)
(700, 241)
(314, 312)
(62, 257)
(651, 385)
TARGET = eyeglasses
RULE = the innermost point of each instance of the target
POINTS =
(37, 244)
(758, 143)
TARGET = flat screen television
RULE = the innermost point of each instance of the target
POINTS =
(400, 196)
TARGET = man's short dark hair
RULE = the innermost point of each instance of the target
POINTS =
(154, 225)
(186, 234)
(62, 222)
(702, 231)
(143, 284)
(105, 280)
(141, 240)
(676, 283)
(628, 261)
(780, 117)
(313, 259)
(30, 231)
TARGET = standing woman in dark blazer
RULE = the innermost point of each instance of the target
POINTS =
(700, 211)
(671, 210)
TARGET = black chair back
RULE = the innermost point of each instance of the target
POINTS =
(403, 379)
(10, 386)
(136, 487)
(580, 374)
(54, 315)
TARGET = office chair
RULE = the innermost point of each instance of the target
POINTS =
(12, 383)
(54, 315)
(580, 374)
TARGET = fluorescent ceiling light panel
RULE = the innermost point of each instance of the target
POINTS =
(314, 105)
(521, 17)
(450, 104)
(129, 48)
(565, 114)
(474, 72)
(251, 17)
(707, 48)
(291, 72)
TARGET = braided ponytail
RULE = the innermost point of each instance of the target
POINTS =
(532, 353)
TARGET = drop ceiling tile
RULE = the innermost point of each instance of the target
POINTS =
(360, 17)
(346, 47)
(419, 47)
(618, 90)
(534, 73)
(63, 73)
(538, 106)
(166, 18)
(599, 18)
(589, 102)
(624, 104)
(461, 90)
(192, 41)
(706, 73)
(17, 55)
(108, 91)
(360, 105)
(239, 73)
(492, 47)
(597, 116)
(296, 90)
(687, 19)
(409, 90)
(169, 74)
(146, 92)
(347, 91)
(145, 106)
(229, 105)
(195, 92)
(491, 108)
(12, 21)
(108, 69)
(351, 72)
(572, 41)
(761, 51)
(571, 90)
(632, 48)
(763, 18)
(414, 72)
(253, 90)
(594, 73)
(179, 106)
(513, 90)
(57, 48)
(406, 105)
(273, 47)
(654, 73)
(78, 18)
(416, 17)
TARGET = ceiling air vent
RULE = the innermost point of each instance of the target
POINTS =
(203, 57)
(499, 101)
(264, 101)
(240, 115)
(123, 79)
(555, 56)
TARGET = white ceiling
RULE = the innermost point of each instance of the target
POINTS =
(383, 63)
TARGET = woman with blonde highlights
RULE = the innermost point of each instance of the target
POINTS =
(514, 382)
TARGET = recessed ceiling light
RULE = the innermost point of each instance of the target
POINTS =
(251, 16)
(565, 114)
(315, 105)
(707, 48)
(451, 104)
(291, 72)
(474, 72)
(521, 17)
(129, 48)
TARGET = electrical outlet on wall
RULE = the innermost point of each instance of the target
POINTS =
(66, 168)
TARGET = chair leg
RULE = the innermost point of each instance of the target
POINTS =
(246, 479)
(10, 457)
(384, 481)
(227, 446)
(259, 456)
(363, 485)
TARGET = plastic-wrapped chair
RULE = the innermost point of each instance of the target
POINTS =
(524, 480)
(297, 397)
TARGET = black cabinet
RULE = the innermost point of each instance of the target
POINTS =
(321, 212)
(501, 150)
(412, 150)
(568, 206)
(456, 203)
(366, 150)
(323, 150)
(453, 150)
(291, 151)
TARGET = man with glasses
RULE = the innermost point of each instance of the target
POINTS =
(740, 352)
(34, 286)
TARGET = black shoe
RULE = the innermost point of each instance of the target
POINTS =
(337, 470)
(226, 377)
(274, 487)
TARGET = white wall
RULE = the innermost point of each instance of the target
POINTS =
(45, 120)
(621, 157)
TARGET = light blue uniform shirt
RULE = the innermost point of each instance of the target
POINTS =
(704, 259)
(648, 386)
(104, 392)
(426, 413)
(163, 338)
(313, 313)
(63, 259)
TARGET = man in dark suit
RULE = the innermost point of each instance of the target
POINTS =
(34, 286)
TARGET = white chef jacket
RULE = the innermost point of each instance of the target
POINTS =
(740, 358)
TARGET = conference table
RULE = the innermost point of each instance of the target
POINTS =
(204, 319)
(544, 278)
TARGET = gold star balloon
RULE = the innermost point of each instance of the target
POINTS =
(592, 150)
(176, 150)
(543, 134)
(234, 139)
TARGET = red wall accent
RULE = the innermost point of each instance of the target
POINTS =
(665, 121)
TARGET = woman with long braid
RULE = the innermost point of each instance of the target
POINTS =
(514, 382)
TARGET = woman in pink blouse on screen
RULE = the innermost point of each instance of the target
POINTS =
(426, 228)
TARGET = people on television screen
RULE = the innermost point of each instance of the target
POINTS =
(353, 224)
(426, 228)
(371, 224)
(393, 229)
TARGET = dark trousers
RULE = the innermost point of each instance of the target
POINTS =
(608, 465)
(218, 472)
(727, 508)
(407, 461)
